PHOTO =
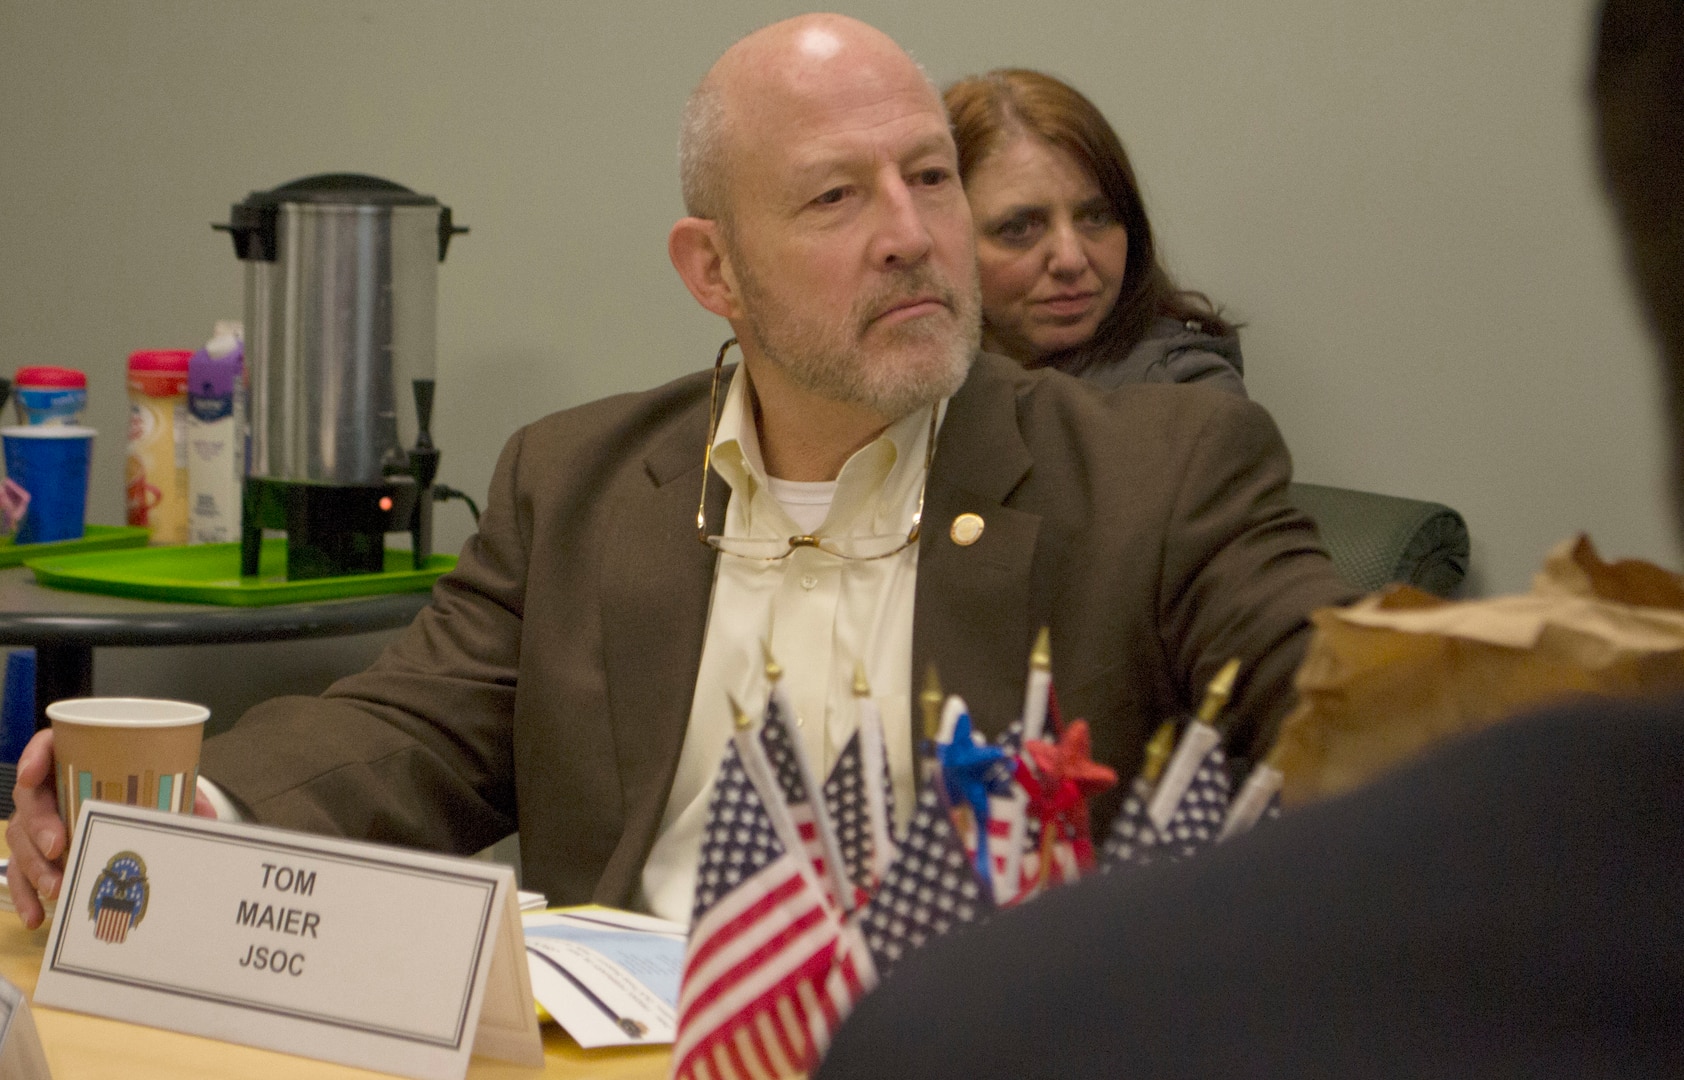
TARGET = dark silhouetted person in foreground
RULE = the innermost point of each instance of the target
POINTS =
(1512, 905)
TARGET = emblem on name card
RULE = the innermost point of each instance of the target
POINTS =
(118, 902)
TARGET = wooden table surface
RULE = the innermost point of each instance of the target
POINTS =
(81, 1047)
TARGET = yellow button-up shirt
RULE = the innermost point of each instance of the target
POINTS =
(821, 615)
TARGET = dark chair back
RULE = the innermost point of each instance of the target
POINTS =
(1377, 539)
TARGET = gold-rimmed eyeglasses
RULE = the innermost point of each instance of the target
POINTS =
(771, 549)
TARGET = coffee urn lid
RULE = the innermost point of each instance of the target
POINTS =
(252, 222)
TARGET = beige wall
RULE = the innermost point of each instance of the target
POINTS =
(1397, 199)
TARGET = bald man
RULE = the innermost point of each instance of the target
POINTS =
(879, 494)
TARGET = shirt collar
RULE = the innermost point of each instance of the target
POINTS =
(876, 492)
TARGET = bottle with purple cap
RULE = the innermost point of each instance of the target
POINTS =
(215, 438)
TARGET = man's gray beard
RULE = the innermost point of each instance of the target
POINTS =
(832, 362)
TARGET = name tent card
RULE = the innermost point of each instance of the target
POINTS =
(356, 953)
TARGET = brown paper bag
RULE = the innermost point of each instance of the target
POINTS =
(1400, 670)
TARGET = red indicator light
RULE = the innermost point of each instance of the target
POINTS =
(385, 502)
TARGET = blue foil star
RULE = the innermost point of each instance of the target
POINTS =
(972, 773)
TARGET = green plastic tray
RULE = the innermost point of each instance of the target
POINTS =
(210, 574)
(94, 538)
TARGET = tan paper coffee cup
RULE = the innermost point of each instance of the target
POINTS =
(140, 751)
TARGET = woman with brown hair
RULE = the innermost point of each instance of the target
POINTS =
(1070, 275)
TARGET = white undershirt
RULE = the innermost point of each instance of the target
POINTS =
(807, 502)
(820, 613)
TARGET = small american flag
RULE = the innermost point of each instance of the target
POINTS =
(929, 888)
(1009, 812)
(1006, 815)
(1198, 816)
(1135, 840)
(1059, 858)
(756, 997)
(846, 796)
(814, 822)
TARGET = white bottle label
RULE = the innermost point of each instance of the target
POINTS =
(213, 480)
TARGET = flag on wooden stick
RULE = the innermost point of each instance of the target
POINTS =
(769, 970)
(860, 795)
(1180, 801)
(803, 795)
(929, 888)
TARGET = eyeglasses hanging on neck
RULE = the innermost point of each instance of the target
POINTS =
(771, 549)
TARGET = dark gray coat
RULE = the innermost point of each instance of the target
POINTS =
(1171, 352)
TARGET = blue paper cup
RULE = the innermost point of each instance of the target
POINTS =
(17, 706)
(51, 463)
(17, 720)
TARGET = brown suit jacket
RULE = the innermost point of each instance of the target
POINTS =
(548, 685)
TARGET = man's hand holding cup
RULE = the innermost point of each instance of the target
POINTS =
(140, 751)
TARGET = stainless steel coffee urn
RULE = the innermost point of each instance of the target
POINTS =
(340, 321)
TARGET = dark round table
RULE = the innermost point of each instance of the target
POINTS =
(65, 627)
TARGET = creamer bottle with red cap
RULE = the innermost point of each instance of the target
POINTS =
(50, 395)
(156, 470)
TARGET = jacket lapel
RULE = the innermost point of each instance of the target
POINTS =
(657, 583)
(972, 616)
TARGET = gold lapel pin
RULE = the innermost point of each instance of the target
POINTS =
(967, 529)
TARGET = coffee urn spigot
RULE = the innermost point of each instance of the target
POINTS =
(424, 468)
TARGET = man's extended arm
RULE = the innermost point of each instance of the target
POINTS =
(1241, 569)
(415, 750)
